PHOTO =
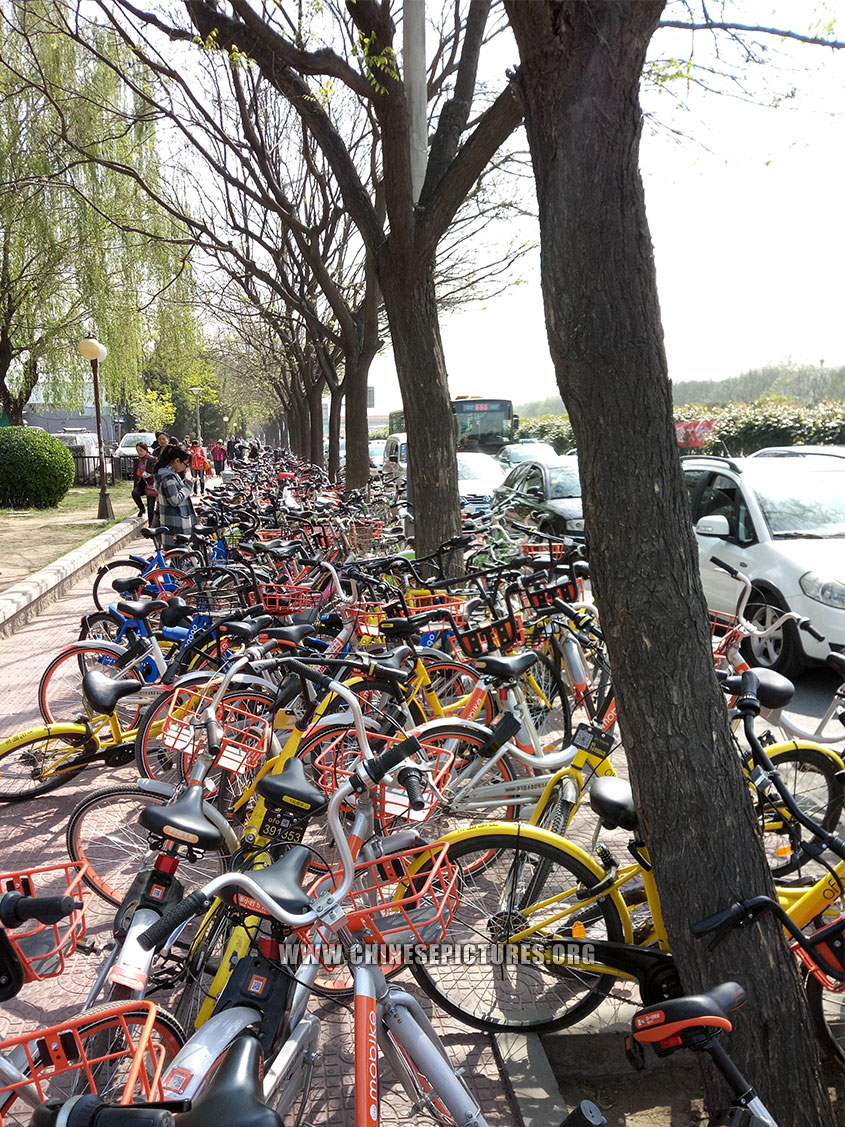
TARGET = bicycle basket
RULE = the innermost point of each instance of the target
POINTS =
(538, 594)
(502, 634)
(245, 734)
(44, 948)
(725, 631)
(419, 601)
(339, 757)
(287, 598)
(827, 944)
(408, 897)
(363, 532)
(89, 1052)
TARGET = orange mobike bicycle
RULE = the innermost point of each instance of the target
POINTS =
(117, 1050)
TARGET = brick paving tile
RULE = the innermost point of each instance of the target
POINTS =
(32, 834)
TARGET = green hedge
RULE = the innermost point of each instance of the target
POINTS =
(36, 470)
(741, 427)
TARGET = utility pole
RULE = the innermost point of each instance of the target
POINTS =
(416, 91)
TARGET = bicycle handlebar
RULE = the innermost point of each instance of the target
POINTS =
(91, 1111)
(788, 616)
(16, 909)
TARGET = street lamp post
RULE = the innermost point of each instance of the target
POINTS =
(91, 349)
(197, 392)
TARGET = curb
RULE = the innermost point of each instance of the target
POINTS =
(20, 603)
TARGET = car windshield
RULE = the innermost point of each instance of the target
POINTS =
(530, 452)
(131, 440)
(478, 467)
(802, 500)
(564, 481)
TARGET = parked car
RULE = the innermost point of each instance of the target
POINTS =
(527, 450)
(85, 449)
(376, 447)
(547, 497)
(799, 452)
(395, 457)
(124, 456)
(478, 477)
(781, 521)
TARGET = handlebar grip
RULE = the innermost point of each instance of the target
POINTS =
(725, 567)
(718, 921)
(90, 1111)
(383, 764)
(17, 909)
(413, 780)
(805, 624)
(185, 910)
(320, 679)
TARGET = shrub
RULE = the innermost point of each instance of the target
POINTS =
(35, 469)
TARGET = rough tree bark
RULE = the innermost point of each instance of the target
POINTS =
(581, 62)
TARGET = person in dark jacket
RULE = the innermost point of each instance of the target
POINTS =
(176, 512)
(144, 489)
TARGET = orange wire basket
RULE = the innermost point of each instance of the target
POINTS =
(338, 759)
(272, 533)
(245, 734)
(540, 595)
(419, 601)
(725, 632)
(72, 1058)
(43, 949)
(288, 598)
(389, 906)
(363, 532)
(366, 616)
(547, 548)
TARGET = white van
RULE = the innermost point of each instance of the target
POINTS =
(395, 463)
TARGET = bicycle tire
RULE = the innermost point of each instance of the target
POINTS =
(101, 626)
(60, 688)
(451, 681)
(517, 996)
(103, 831)
(33, 753)
(166, 1033)
(817, 783)
(827, 1013)
(115, 569)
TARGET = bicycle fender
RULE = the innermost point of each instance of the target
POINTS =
(43, 731)
(806, 745)
(190, 1067)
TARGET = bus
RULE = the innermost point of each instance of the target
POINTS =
(482, 424)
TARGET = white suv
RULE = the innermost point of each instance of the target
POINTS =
(781, 522)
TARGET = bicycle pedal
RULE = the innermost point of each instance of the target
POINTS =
(88, 947)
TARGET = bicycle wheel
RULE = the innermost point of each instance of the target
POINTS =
(103, 1037)
(492, 987)
(102, 626)
(452, 682)
(818, 786)
(103, 592)
(827, 1012)
(103, 831)
(34, 763)
(548, 704)
(60, 689)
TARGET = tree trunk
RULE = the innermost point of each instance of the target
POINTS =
(410, 303)
(335, 411)
(315, 413)
(301, 426)
(579, 79)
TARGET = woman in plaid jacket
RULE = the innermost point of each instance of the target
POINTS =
(176, 511)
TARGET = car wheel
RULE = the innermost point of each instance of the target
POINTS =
(781, 651)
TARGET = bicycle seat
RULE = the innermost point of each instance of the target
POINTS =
(103, 693)
(696, 1011)
(153, 533)
(613, 801)
(183, 821)
(506, 668)
(137, 609)
(234, 1095)
(181, 538)
(202, 530)
(407, 627)
(290, 635)
(281, 881)
(176, 612)
(290, 788)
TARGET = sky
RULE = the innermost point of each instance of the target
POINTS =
(747, 216)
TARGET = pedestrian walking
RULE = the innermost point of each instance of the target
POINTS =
(230, 449)
(176, 511)
(143, 489)
(198, 464)
(218, 456)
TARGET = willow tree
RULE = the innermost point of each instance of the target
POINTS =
(72, 258)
